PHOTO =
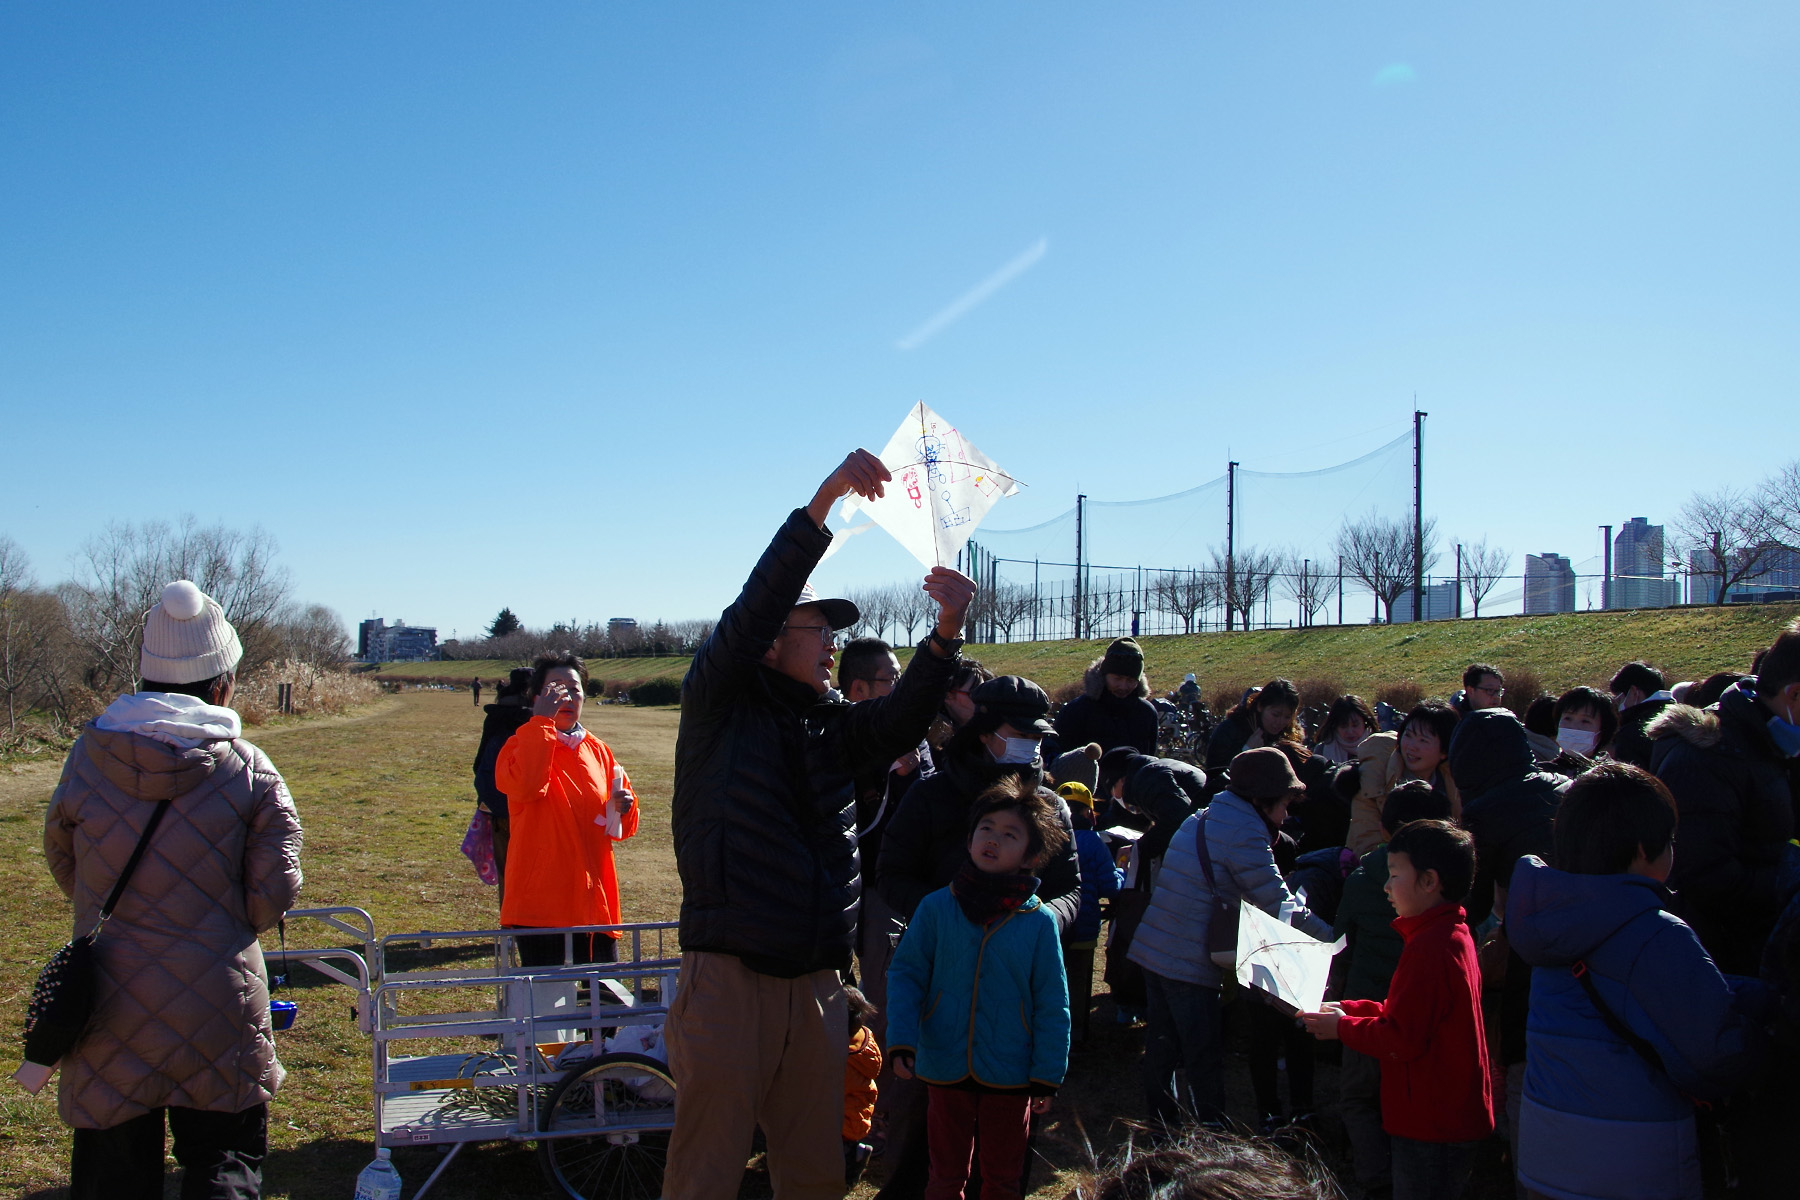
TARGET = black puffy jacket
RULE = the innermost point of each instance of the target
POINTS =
(1166, 790)
(1632, 743)
(1508, 806)
(764, 813)
(1510, 810)
(1227, 741)
(927, 839)
(1731, 786)
(502, 721)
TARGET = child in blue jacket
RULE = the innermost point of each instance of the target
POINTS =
(978, 1005)
(1630, 1020)
(1100, 876)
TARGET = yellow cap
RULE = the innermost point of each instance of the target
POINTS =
(1076, 793)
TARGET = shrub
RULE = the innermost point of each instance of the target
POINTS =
(1402, 695)
(1064, 694)
(1522, 687)
(315, 691)
(1320, 692)
(649, 692)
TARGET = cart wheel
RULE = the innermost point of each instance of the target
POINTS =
(624, 1106)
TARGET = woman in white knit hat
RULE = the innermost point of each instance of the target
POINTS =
(181, 1025)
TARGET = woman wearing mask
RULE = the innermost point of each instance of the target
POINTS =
(1386, 760)
(927, 837)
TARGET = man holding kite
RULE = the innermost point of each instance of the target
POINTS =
(764, 822)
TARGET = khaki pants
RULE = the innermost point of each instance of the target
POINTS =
(749, 1050)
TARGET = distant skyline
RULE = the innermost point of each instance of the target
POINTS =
(564, 308)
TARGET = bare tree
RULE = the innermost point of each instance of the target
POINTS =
(1732, 531)
(1009, 604)
(1186, 594)
(1249, 581)
(1378, 553)
(23, 640)
(1307, 584)
(1483, 567)
(120, 575)
(315, 638)
(909, 609)
(1783, 495)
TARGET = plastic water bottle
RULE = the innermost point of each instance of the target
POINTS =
(379, 1180)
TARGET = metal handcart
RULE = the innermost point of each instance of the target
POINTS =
(564, 1056)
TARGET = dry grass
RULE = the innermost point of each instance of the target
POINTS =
(385, 794)
(316, 693)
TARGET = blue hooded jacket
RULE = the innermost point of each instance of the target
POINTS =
(988, 1003)
(1598, 1120)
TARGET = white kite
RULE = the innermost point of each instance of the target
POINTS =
(943, 487)
(1283, 961)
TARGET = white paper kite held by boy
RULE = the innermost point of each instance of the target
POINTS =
(943, 486)
(1281, 960)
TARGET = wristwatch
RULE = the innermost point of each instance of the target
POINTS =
(953, 645)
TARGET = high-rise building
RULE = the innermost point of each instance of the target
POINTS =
(377, 641)
(1549, 584)
(1440, 603)
(1638, 580)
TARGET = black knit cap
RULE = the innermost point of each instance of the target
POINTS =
(1010, 700)
(1124, 657)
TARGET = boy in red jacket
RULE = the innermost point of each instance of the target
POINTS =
(1435, 1099)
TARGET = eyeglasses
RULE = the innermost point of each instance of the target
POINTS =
(827, 635)
(1491, 691)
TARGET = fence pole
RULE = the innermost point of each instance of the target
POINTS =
(1075, 612)
(1230, 543)
(1418, 515)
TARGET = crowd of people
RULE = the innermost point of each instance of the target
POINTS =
(898, 882)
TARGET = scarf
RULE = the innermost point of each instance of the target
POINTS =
(179, 720)
(573, 737)
(985, 896)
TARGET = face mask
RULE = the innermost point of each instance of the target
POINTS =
(1581, 741)
(1786, 734)
(1018, 751)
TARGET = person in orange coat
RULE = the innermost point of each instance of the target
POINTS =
(569, 801)
(860, 1070)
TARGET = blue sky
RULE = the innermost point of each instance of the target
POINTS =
(564, 306)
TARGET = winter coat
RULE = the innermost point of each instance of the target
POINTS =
(559, 867)
(1598, 1120)
(1507, 805)
(1365, 916)
(927, 839)
(764, 811)
(879, 791)
(1321, 875)
(1172, 939)
(1166, 790)
(1380, 769)
(1227, 740)
(497, 728)
(1632, 743)
(182, 1015)
(1100, 876)
(1428, 1034)
(1731, 787)
(1098, 716)
(987, 1004)
(860, 1071)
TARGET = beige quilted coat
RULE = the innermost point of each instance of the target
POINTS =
(183, 1011)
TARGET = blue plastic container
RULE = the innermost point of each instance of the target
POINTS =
(282, 1013)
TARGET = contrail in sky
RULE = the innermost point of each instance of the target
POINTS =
(960, 307)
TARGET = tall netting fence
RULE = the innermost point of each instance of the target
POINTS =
(1244, 548)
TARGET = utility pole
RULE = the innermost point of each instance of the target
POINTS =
(1718, 561)
(1036, 600)
(1340, 589)
(1305, 589)
(1080, 505)
(1231, 544)
(1459, 579)
(1606, 579)
(1419, 515)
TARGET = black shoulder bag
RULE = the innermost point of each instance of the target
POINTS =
(1716, 1166)
(62, 1003)
(1222, 929)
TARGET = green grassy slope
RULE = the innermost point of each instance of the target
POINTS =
(1563, 650)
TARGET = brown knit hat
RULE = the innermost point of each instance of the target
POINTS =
(1263, 774)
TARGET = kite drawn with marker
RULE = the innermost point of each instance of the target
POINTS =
(946, 487)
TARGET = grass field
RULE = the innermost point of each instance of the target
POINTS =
(384, 796)
(1563, 650)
